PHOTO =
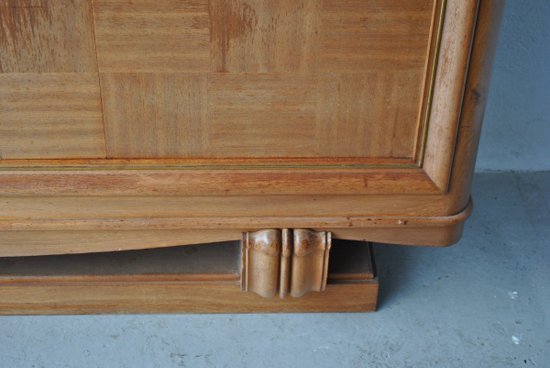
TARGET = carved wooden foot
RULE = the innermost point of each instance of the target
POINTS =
(285, 262)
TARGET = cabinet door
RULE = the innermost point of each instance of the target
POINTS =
(219, 78)
(240, 96)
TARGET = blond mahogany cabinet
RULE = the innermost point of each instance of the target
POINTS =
(295, 131)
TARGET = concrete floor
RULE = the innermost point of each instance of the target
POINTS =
(482, 303)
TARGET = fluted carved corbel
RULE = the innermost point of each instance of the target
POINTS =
(285, 262)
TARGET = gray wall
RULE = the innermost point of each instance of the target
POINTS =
(516, 131)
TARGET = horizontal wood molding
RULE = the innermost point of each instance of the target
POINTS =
(36, 243)
(234, 222)
(36, 236)
(215, 182)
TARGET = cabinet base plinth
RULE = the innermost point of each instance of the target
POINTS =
(192, 279)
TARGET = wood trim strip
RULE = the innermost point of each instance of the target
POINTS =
(206, 163)
(244, 222)
(432, 58)
(92, 279)
(214, 182)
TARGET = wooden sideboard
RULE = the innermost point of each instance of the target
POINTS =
(283, 124)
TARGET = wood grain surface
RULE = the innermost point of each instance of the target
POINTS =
(359, 35)
(41, 36)
(229, 78)
(286, 262)
(50, 115)
(168, 121)
(265, 36)
(49, 235)
(449, 89)
(152, 35)
(113, 296)
(262, 115)
(385, 106)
